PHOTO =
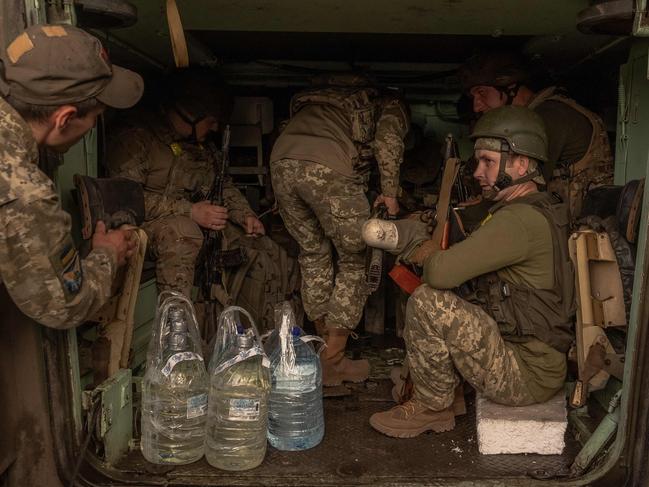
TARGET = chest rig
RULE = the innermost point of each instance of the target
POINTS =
(523, 312)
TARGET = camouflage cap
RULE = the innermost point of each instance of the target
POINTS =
(58, 64)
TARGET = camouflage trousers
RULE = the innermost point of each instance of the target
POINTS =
(174, 244)
(324, 210)
(448, 338)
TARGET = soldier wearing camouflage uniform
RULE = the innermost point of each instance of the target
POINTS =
(507, 330)
(578, 147)
(320, 168)
(51, 98)
(165, 151)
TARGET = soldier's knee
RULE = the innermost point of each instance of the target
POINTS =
(348, 215)
(180, 234)
(434, 307)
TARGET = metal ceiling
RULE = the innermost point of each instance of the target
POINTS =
(307, 29)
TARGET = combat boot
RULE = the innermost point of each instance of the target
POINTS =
(411, 419)
(401, 393)
(321, 328)
(336, 368)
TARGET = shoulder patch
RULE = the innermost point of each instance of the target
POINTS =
(67, 264)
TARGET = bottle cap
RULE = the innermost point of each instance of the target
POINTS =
(244, 341)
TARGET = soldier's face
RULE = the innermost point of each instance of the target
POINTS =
(67, 128)
(205, 126)
(486, 98)
(486, 171)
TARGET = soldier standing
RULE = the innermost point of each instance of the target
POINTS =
(578, 146)
(319, 169)
(55, 81)
(509, 334)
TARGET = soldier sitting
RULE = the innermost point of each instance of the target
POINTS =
(578, 147)
(169, 153)
(507, 330)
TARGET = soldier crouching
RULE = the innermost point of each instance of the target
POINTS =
(507, 329)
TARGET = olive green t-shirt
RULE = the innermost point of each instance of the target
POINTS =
(516, 242)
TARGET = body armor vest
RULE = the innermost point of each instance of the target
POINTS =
(358, 103)
(522, 312)
(595, 168)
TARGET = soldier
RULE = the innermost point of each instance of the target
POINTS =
(319, 169)
(55, 81)
(508, 333)
(168, 151)
(579, 151)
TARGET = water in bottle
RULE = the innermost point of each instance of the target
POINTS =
(295, 417)
(238, 407)
(174, 392)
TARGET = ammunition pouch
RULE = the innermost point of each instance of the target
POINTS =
(228, 259)
(115, 201)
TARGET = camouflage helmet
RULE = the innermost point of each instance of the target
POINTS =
(199, 92)
(499, 69)
(522, 129)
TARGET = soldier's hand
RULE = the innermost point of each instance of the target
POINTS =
(392, 204)
(421, 253)
(209, 216)
(254, 226)
(120, 241)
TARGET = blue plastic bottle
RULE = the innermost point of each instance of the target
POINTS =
(295, 417)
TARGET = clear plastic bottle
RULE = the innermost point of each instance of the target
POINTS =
(295, 417)
(174, 392)
(238, 408)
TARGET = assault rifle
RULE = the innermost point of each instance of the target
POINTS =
(213, 258)
(400, 274)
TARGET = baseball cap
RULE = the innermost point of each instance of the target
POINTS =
(59, 64)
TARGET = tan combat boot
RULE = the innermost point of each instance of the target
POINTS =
(411, 419)
(336, 368)
(321, 328)
(400, 375)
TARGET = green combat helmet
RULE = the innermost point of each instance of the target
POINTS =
(503, 70)
(512, 130)
(197, 93)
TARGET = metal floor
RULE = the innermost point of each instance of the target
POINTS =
(352, 453)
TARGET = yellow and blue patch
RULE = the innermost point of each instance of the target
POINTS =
(67, 264)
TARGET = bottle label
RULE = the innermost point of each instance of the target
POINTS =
(197, 406)
(301, 378)
(176, 358)
(244, 409)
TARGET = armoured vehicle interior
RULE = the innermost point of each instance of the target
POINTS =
(65, 425)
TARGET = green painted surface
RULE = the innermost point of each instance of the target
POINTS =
(632, 150)
(116, 415)
(631, 163)
(464, 17)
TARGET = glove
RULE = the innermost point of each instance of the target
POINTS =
(419, 254)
